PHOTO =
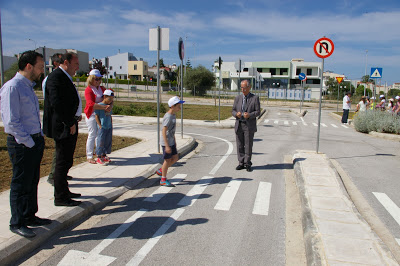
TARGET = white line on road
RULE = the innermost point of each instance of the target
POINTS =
(196, 191)
(162, 191)
(302, 120)
(334, 125)
(389, 205)
(344, 126)
(322, 124)
(225, 201)
(286, 122)
(315, 124)
(261, 204)
(276, 121)
(266, 121)
(142, 253)
(294, 123)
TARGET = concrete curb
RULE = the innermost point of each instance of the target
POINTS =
(17, 246)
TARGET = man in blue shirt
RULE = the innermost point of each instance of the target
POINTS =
(25, 142)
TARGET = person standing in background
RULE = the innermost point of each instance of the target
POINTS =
(346, 107)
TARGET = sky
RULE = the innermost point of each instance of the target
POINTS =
(365, 33)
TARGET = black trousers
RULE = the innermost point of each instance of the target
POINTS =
(24, 184)
(65, 149)
(345, 115)
(244, 143)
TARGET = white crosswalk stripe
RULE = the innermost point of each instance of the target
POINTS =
(294, 123)
(266, 121)
(225, 201)
(196, 191)
(322, 124)
(315, 124)
(286, 122)
(389, 205)
(261, 204)
(345, 126)
(162, 191)
(335, 126)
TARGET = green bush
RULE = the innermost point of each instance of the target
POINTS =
(142, 109)
(378, 121)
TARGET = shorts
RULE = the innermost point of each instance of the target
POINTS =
(169, 155)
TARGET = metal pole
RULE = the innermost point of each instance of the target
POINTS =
(366, 57)
(182, 98)
(320, 104)
(1, 56)
(44, 58)
(240, 69)
(219, 94)
(158, 89)
(337, 103)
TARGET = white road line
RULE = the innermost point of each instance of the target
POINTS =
(294, 123)
(196, 191)
(266, 121)
(389, 205)
(315, 124)
(162, 191)
(286, 122)
(223, 159)
(344, 126)
(261, 204)
(398, 241)
(225, 201)
(302, 120)
(276, 121)
(142, 253)
(322, 124)
(334, 125)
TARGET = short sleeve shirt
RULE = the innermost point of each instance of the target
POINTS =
(169, 121)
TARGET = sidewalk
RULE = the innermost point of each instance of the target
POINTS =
(334, 231)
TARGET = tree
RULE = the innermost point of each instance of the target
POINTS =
(161, 62)
(10, 73)
(199, 79)
(188, 64)
(97, 64)
(393, 93)
(366, 79)
(360, 91)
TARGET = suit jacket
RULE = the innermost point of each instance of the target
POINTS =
(60, 105)
(252, 107)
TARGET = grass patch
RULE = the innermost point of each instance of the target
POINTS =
(45, 166)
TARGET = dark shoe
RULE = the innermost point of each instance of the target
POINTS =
(23, 231)
(68, 203)
(74, 195)
(248, 168)
(240, 167)
(69, 177)
(36, 221)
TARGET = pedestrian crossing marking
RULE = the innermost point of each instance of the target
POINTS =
(315, 124)
(286, 122)
(294, 123)
(196, 191)
(322, 124)
(225, 201)
(345, 126)
(261, 204)
(276, 122)
(162, 191)
(335, 126)
(389, 205)
(266, 121)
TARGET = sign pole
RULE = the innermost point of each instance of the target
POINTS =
(219, 90)
(158, 88)
(320, 103)
(337, 102)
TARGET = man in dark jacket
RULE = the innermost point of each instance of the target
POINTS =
(62, 112)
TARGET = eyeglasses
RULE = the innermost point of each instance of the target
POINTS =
(97, 79)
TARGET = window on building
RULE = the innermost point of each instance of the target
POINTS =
(120, 67)
(259, 70)
(283, 71)
(272, 71)
(298, 71)
(110, 67)
(134, 67)
(309, 71)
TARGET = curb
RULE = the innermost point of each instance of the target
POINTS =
(17, 246)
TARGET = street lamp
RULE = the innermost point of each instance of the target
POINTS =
(33, 42)
(366, 57)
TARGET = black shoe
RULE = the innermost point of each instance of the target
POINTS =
(248, 168)
(69, 177)
(68, 203)
(240, 167)
(36, 221)
(23, 231)
(74, 195)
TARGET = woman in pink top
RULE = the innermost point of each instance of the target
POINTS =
(93, 95)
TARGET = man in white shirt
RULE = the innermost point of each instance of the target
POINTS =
(346, 107)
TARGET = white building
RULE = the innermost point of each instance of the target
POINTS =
(280, 78)
(49, 52)
(127, 66)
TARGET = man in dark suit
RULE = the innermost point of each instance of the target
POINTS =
(245, 109)
(62, 112)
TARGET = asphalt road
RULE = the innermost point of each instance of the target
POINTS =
(217, 215)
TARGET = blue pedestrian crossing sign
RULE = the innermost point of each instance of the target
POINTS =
(376, 73)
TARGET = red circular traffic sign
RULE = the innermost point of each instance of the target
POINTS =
(324, 47)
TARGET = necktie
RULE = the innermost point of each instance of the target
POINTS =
(244, 104)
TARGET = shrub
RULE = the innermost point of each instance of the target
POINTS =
(377, 121)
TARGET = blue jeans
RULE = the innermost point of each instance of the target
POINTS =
(24, 184)
(104, 141)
